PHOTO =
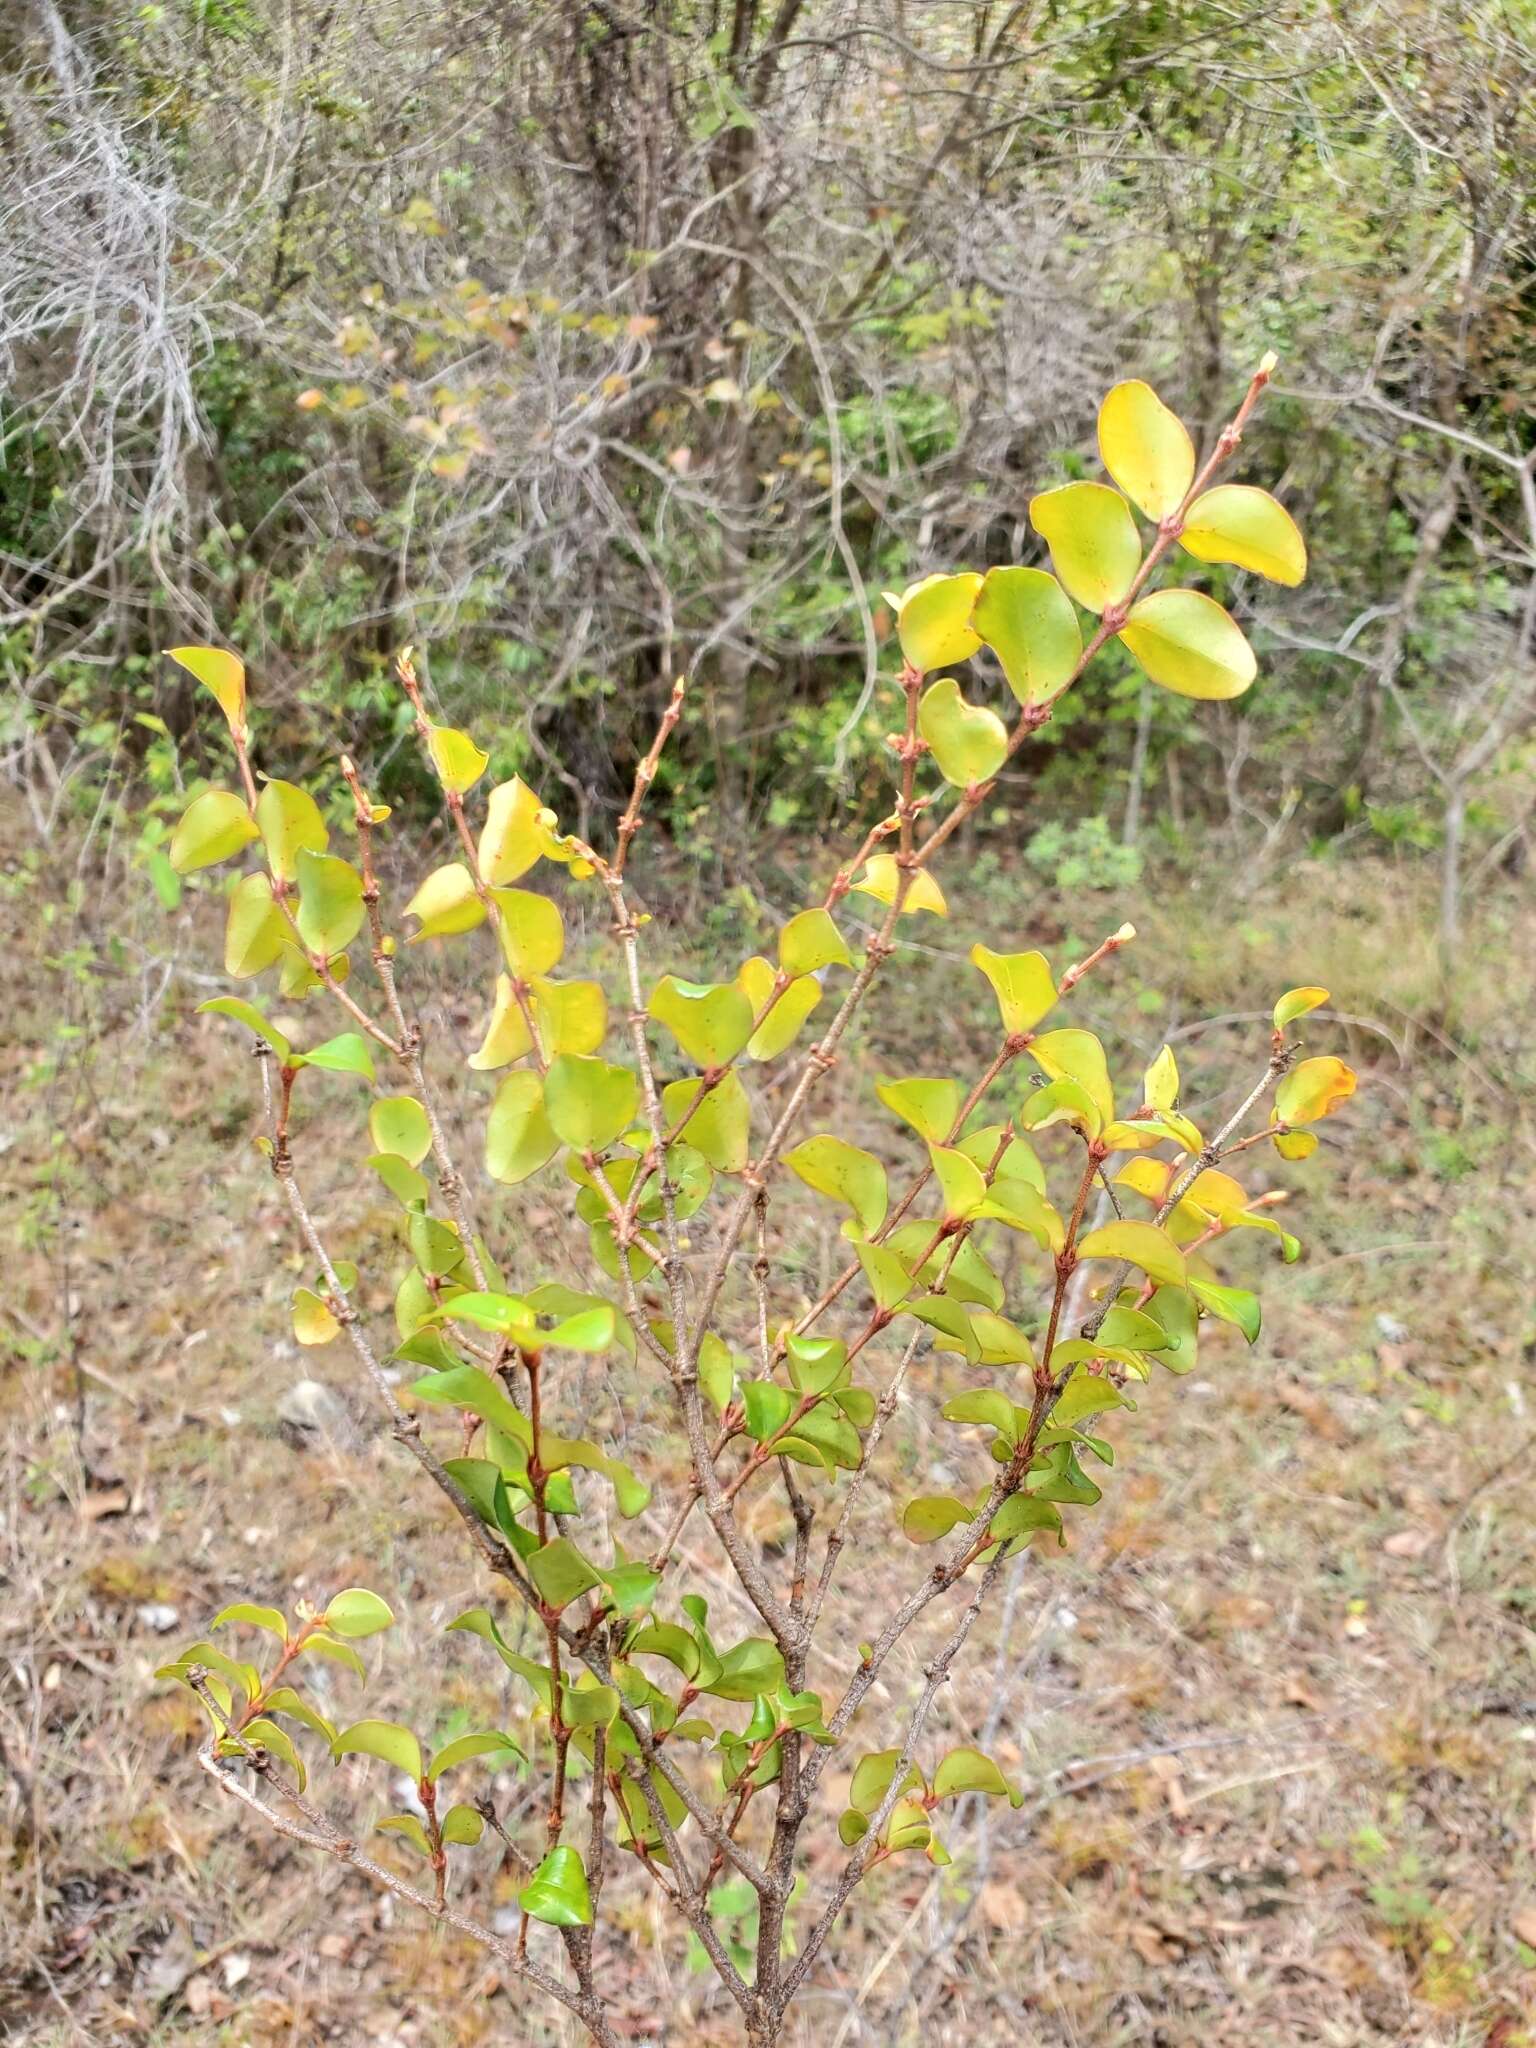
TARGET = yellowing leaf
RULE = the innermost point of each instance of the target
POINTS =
(531, 932)
(1142, 1244)
(833, 1167)
(1296, 1144)
(519, 1138)
(1238, 524)
(711, 1022)
(968, 742)
(313, 1322)
(720, 1128)
(1075, 1055)
(1023, 984)
(879, 880)
(512, 838)
(1187, 643)
(1296, 1003)
(1314, 1090)
(1027, 619)
(588, 1101)
(330, 912)
(398, 1124)
(811, 941)
(213, 826)
(794, 1004)
(1160, 1083)
(930, 1107)
(220, 673)
(458, 761)
(1093, 541)
(290, 822)
(933, 621)
(255, 929)
(446, 903)
(572, 1016)
(506, 1036)
(1145, 448)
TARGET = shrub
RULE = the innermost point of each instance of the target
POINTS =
(689, 1757)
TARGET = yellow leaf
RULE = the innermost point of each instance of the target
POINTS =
(1160, 1083)
(1313, 1090)
(532, 932)
(446, 903)
(933, 620)
(1027, 620)
(879, 880)
(458, 761)
(506, 1037)
(1238, 524)
(1023, 984)
(511, 839)
(220, 673)
(968, 742)
(1145, 448)
(1093, 541)
(1187, 643)
(1296, 1002)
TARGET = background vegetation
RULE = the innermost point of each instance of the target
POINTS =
(579, 344)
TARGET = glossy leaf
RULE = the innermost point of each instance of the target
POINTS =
(1028, 621)
(968, 1770)
(1236, 523)
(557, 1892)
(464, 1747)
(357, 1612)
(931, 1516)
(1023, 1516)
(933, 621)
(968, 742)
(1146, 448)
(347, 1053)
(410, 1827)
(467, 1387)
(1141, 1244)
(560, 1572)
(213, 826)
(1233, 1305)
(463, 1826)
(1188, 644)
(1094, 545)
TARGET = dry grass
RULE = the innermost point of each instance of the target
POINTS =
(1274, 1710)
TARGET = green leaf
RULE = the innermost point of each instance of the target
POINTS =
(357, 1612)
(163, 878)
(1027, 619)
(330, 912)
(889, 1280)
(968, 742)
(213, 826)
(290, 824)
(277, 1742)
(333, 1652)
(1094, 545)
(458, 761)
(1146, 449)
(752, 1667)
(248, 1015)
(721, 1127)
(811, 941)
(463, 1826)
(284, 1700)
(1142, 1244)
(1075, 1055)
(348, 1053)
(508, 1315)
(1085, 1394)
(930, 1107)
(832, 1167)
(478, 1622)
(711, 1023)
(631, 1493)
(815, 1364)
(519, 1138)
(270, 1618)
(1233, 1305)
(1060, 1478)
(466, 1386)
(588, 1101)
(1248, 528)
(446, 903)
(560, 1572)
(768, 1407)
(463, 1747)
(384, 1739)
(1023, 984)
(1296, 1003)
(933, 1515)
(1021, 1516)
(222, 674)
(408, 1825)
(933, 620)
(988, 1406)
(1188, 644)
(398, 1125)
(968, 1770)
(255, 930)
(872, 1776)
(531, 930)
(557, 1892)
